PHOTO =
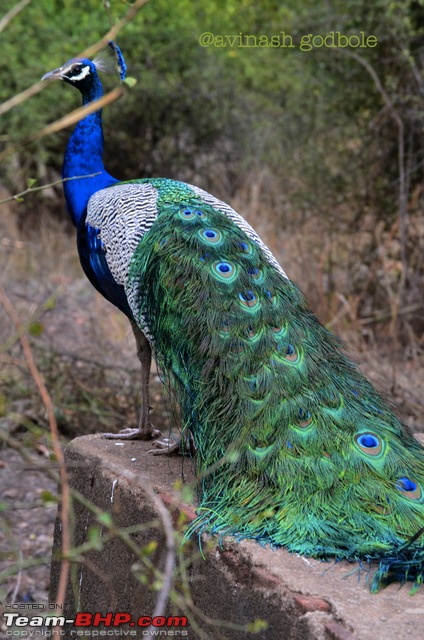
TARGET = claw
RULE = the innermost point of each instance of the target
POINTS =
(149, 433)
(165, 447)
(169, 446)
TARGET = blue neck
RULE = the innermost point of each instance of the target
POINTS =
(84, 157)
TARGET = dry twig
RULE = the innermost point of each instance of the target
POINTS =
(48, 404)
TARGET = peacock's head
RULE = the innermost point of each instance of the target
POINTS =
(82, 73)
(78, 72)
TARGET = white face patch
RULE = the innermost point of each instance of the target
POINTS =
(85, 71)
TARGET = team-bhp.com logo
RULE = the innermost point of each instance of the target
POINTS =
(108, 624)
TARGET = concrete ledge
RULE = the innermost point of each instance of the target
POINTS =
(300, 598)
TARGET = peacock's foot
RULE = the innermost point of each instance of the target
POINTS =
(141, 433)
(168, 446)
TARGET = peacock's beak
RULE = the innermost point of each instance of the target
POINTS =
(56, 74)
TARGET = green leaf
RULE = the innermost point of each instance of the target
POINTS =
(94, 538)
(187, 494)
(36, 328)
(3, 404)
(149, 548)
(31, 182)
(105, 518)
(257, 626)
(49, 304)
(130, 81)
(48, 497)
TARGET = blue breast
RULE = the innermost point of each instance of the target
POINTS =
(92, 256)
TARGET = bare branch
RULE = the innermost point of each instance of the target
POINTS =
(48, 404)
(23, 193)
(8, 17)
(110, 35)
(67, 121)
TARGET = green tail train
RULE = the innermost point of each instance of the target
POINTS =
(295, 446)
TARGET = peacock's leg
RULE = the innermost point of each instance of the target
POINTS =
(145, 429)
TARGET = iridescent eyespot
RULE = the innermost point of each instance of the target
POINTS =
(224, 271)
(369, 443)
(331, 398)
(255, 273)
(187, 214)
(305, 419)
(248, 299)
(161, 243)
(252, 332)
(269, 295)
(245, 247)
(291, 354)
(261, 451)
(405, 484)
(287, 353)
(211, 236)
(260, 447)
(279, 330)
(225, 325)
(252, 382)
(409, 488)
(247, 296)
(224, 268)
(200, 214)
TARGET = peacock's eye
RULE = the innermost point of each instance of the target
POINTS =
(78, 72)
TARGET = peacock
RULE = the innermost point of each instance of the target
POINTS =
(294, 446)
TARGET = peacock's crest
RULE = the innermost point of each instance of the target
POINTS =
(111, 60)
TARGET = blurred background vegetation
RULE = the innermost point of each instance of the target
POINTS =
(321, 150)
(305, 141)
